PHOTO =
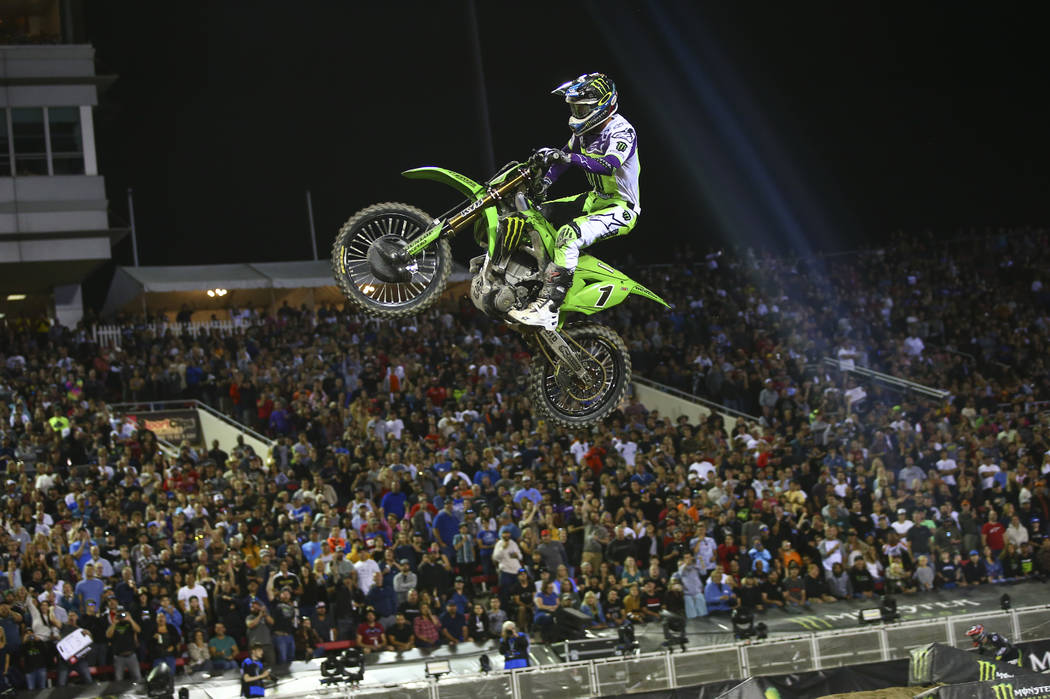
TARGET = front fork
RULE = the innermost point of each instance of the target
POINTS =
(552, 343)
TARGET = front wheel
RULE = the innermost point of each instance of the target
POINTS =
(368, 271)
(570, 401)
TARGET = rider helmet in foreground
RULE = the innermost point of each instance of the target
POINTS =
(604, 145)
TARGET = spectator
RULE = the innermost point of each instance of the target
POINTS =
(718, 595)
(400, 635)
(692, 587)
(370, 633)
(259, 624)
(222, 649)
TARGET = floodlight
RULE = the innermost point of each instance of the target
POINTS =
(437, 668)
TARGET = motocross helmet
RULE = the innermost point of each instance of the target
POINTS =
(591, 99)
(976, 632)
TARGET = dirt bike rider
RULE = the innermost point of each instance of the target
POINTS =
(998, 645)
(605, 146)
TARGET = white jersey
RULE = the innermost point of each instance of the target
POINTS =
(617, 142)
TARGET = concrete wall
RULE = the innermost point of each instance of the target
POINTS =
(672, 406)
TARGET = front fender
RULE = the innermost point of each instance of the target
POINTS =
(461, 183)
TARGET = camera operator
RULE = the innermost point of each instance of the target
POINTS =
(514, 646)
(123, 638)
(253, 673)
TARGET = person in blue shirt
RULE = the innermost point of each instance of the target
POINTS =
(486, 541)
(446, 526)
(394, 501)
(90, 588)
(759, 552)
(527, 491)
(641, 475)
(453, 625)
(459, 595)
(718, 595)
(491, 472)
(312, 548)
(506, 523)
(80, 549)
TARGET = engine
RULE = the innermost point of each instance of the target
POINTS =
(496, 291)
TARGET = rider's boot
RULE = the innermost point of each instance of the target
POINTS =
(543, 312)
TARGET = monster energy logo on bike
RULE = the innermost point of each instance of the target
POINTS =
(1003, 691)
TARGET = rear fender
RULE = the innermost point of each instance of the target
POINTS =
(597, 286)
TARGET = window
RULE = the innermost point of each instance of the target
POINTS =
(5, 146)
(27, 128)
(67, 152)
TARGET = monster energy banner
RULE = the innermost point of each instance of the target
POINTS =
(1013, 688)
(819, 683)
(940, 663)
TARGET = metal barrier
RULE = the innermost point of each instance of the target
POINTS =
(889, 379)
(664, 670)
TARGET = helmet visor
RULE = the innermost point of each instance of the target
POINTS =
(580, 110)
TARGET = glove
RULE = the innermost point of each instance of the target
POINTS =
(551, 156)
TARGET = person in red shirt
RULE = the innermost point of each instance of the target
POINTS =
(727, 551)
(992, 533)
(370, 634)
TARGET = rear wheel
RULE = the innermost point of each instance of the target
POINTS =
(367, 269)
(570, 401)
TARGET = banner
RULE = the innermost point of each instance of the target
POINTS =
(821, 683)
(1013, 688)
(940, 663)
(173, 426)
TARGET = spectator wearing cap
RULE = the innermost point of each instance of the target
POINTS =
(508, 559)
(527, 491)
(96, 626)
(454, 628)
(322, 622)
(552, 551)
(405, 580)
(259, 623)
(973, 572)
(459, 595)
(285, 621)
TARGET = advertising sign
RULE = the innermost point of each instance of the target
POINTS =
(171, 425)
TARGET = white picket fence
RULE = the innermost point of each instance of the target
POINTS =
(111, 335)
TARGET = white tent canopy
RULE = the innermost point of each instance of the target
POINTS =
(129, 283)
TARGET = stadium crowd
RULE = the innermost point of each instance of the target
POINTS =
(413, 499)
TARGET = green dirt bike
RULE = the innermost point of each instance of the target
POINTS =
(393, 260)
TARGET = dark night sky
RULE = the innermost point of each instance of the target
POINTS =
(809, 124)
